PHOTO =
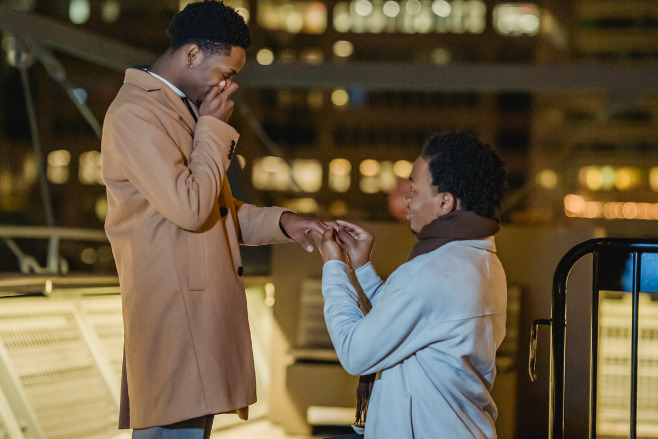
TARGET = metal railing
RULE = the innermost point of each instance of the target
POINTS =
(634, 248)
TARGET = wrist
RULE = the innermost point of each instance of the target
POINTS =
(281, 226)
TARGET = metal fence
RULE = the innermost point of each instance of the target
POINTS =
(624, 339)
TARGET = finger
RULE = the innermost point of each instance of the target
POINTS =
(344, 236)
(230, 89)
(317, 237)
(212, 93)
(304, 242)
(318, 225)
(356, 231)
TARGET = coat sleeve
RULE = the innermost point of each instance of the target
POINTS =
(260, 225)
(367, 344)
(370, 282)
(184, 192)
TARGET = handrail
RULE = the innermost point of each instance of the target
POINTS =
(54, 263)
(558, 324)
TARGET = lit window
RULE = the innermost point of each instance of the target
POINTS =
(316, 18)
(607, 178)
(411, 16)
(111, 10)
(302, 205)
(265, 57)
(369, 185)
(313, 56)
(653, 179)
(377, 176)
(339, 97)
(402, 168)
(79, 11)
(577, 207)
(104, 253)
(30, 169)
(387, 178)
(343, 48)
(242, 162)
(516, 19)
(627, 178)
(342, 20)
(241, 7)
(441, 8)
(307, 175)
(338, 208)
(547, 179)
(293, 20)
(100, 208)
(440, 56)
(591, 178)
(369, 168)
(88, 256)
(294, 17)
(413, 7)
(271, 173)
(362, 7)
(58, 166)
(339, 175)
(315, 99)
(89, 171)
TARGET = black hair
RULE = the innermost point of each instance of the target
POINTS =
(468, 169)
(211, 25)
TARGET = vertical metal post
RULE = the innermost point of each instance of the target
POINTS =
(558, 351)
(634, 342)
(594, 346)
(21, 63)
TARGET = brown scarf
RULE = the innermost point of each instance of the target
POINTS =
(457, 225)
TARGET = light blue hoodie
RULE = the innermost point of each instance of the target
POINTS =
(432, 334)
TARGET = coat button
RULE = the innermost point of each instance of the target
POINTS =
(223, 211)
(232, 144)
(240, 271)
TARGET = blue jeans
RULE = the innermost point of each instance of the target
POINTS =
(197, 428)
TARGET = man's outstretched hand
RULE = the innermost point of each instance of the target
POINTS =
(299, 226)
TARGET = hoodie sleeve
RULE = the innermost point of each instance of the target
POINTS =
(366, 344)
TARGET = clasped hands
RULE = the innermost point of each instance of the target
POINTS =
(346, 242)
(336, 240)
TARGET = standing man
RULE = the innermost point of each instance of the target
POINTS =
(175, 230)
(435, 324)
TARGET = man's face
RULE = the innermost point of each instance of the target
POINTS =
(424, 202)
(210, 71)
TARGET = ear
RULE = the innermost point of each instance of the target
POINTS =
(193, 55)
(447, 202)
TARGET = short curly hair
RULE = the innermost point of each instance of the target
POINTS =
(211, 25)
(468, 169)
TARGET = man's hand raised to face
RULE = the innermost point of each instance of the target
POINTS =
(218, 102)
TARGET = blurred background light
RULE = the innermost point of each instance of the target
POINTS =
(79, 11)
(340, 97)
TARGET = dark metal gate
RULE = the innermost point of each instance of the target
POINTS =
(640, 275)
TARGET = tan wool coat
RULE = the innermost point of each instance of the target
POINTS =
(175, 231)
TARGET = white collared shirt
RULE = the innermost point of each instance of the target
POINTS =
(172, 86)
